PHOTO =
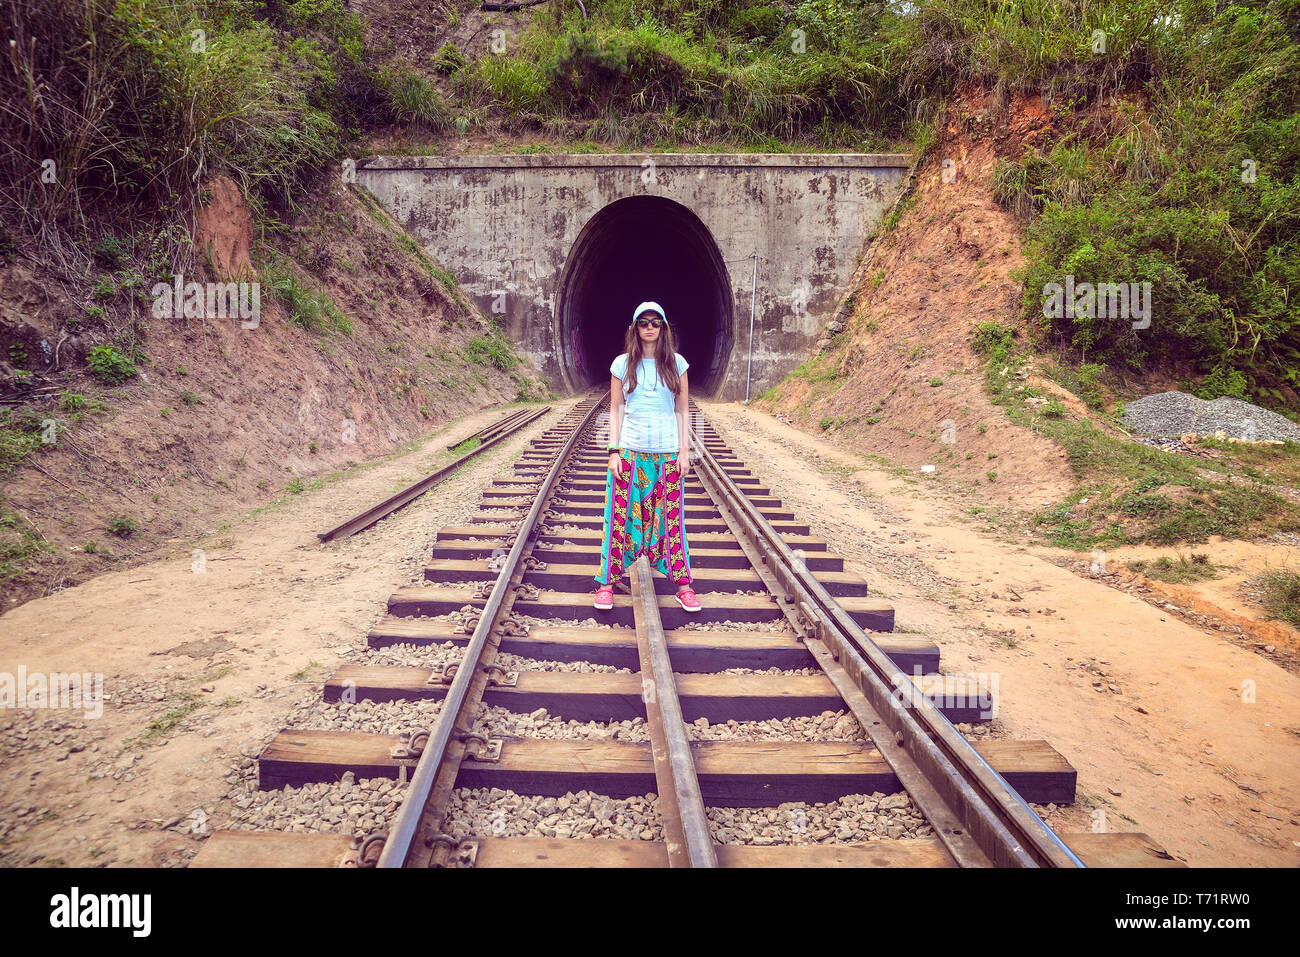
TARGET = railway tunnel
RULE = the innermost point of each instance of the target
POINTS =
(636, 249)
(559, 248)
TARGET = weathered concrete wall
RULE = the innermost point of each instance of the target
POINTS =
(504, 225)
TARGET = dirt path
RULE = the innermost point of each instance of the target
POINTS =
(1229, 602)
(1174, 731)
(206, 665)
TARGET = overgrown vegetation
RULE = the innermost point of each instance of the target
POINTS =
(307, 307)
(1132, 494)
(1190, 181)
(492, 349)
(1174, 157)
(684, 73)
(1282, 595)
(1197, 567)
(21, 543)
(116, 108)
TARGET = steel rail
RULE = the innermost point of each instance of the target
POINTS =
(681, 806)
(490, 430)
(406, 826)
(363, 520)
(1004, 827)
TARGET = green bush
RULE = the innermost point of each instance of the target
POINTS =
(448, 60)
(1221, 381)
(1174, 189)
(1090, 374)
(991, 337)
(491, 350)
(308, 308)
(112, 252)
(121, 526)
(762, 22)
(17, 440)
(109, 365)
(413, 100)
(1282, 595)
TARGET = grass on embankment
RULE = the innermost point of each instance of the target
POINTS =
(1177, 572)
(1131, 494)
(1282, 595)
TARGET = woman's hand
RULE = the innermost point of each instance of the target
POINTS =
(615, 464)
(684, 462)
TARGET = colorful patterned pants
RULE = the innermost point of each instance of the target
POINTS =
(644, 512)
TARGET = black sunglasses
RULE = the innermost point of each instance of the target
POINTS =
(654, 323)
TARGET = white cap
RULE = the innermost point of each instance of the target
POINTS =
(647, 307)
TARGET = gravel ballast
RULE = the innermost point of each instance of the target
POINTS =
(346, 807)
(372, 717)
(1177, 413)
(501, 722)
(852, 819)
(493, 812)
(827, 726)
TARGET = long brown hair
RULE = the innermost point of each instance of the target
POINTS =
(665, 358)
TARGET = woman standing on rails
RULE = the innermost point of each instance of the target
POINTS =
(645, 483)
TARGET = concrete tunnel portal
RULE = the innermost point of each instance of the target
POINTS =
(562, 246)
(635, 249)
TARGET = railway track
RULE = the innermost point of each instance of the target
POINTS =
(688, 717)
(487, 437)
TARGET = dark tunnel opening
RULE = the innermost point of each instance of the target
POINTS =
(637, 249)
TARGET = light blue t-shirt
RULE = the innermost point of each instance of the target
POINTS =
(650, 422)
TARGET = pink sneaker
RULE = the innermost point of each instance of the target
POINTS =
(605, 597)
(686, 598)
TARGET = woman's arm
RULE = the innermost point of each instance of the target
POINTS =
(616, 407)
(683, 404)
(615, 420)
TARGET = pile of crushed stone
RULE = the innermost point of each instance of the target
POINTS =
(1177, 413)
